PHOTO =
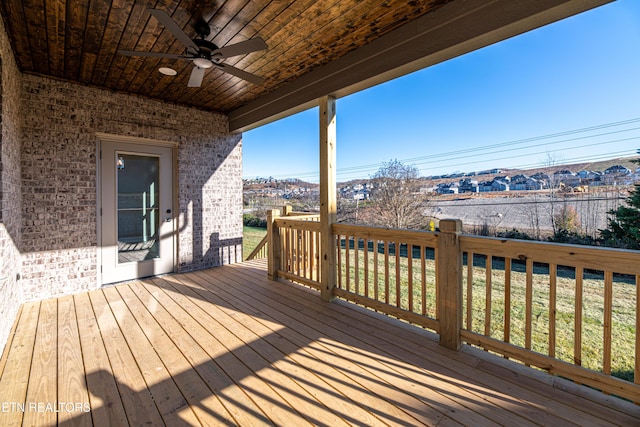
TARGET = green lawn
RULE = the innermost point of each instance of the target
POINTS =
(251, 236)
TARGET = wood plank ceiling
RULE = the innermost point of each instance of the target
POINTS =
(79, 40)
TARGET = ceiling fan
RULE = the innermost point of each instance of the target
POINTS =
(202, 52)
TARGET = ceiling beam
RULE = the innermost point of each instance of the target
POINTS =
(454, 29)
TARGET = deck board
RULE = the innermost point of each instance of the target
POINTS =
(226, 346)
(15, 375)
(107, 407)
(206, 406)
(71, 380)
(137, 399)
(42, 388)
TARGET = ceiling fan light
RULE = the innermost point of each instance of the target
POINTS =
(203, 63)
(167, 71)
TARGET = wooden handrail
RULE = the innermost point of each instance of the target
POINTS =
(287, 222)
(260, 251)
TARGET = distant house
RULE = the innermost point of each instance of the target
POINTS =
(468, 185)
(495, 185)
(589, 175)
(526, 183)
(617, 170)
(541, 176)
(500, 185)
(448, 188)
(563, 173)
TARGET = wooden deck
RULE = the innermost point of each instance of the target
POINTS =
(228, 347)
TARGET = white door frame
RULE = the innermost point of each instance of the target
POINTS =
(133, 144)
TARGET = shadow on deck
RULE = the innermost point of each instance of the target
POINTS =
(226, 346)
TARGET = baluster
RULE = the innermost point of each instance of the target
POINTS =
(410, 274)
(470, 291)
(608, 312)
(577, 327)
(487, 302)
(507, 299)
(423, 280)
(553, 272)
(366, 267)
(528, 304)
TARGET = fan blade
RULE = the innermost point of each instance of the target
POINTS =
(241, 48)
(152, 54)
(251, 78)
(196, 77)
(174, 28)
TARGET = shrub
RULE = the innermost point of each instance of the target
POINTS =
(514, 234)
(572, 237)
(251, 220)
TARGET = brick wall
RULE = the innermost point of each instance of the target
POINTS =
(211, 191)
(60, 122)
(10, 197)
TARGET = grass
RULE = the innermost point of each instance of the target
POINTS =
(394, 289)
(251, 236)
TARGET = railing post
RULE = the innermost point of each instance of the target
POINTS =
(274, 243)
(449, 267)
(286, 210)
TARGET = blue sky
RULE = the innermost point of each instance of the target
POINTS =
(567, 92)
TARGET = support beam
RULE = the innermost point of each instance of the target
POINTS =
(328, 199)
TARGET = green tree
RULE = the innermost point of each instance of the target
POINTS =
(396, 198)
(624, 223)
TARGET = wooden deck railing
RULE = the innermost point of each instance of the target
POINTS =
(392, 271)
(571, 310)
(295, 241)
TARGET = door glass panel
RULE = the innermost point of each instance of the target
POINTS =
(138, 207)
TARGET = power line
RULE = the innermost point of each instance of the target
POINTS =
(467, 153)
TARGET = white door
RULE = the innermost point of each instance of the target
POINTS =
(137, 226)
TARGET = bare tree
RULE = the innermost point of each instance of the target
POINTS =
(554, 187)
(396, 198)
(531, 212)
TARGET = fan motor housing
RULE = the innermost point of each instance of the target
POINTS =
(205, 48)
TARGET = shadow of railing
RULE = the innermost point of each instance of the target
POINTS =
(259, 375)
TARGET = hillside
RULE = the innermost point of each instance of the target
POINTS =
(599, 166)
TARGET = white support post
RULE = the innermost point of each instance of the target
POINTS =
(328, 198)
